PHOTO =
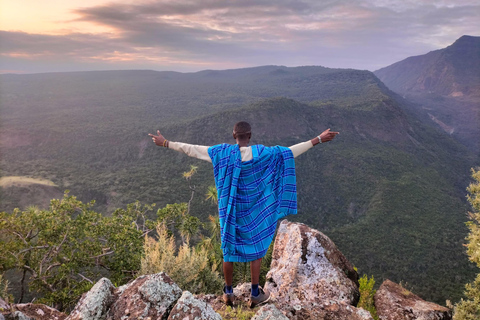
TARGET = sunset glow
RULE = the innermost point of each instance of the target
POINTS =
(190, 36)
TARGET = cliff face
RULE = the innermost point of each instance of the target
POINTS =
(453, 71)
(445, 86)
(309, 279)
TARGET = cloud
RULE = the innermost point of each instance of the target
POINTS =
(179, 34)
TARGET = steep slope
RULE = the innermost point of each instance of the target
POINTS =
(389, 190)
(382, 190)
(445, 86)
(453, 71)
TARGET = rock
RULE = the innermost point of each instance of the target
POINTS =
(151, 296)
(308, 269)
(94, 304)
(269, 312)
(242, 292)
(333, 311)
(17, 315)
(394, 302)
(36, 312)
(215, 301)
(190, 308)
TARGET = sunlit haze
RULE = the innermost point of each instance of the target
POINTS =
(186, 36)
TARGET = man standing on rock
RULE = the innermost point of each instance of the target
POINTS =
(256, 187)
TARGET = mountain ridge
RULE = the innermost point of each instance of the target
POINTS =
(387, 179)
(446, 72)
(444, 87)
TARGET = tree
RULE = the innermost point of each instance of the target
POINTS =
(212, 194)
(469, 309)
(65, 249)
(176, 218)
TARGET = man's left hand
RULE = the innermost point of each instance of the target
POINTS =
(158, 139)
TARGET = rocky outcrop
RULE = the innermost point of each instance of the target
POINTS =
(395, 302)
(94, 304)
(151, 296)
(309, 277)
(190, 308)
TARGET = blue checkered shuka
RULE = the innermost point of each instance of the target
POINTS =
(252, 196)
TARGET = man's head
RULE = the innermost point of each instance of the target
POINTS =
(242, 131)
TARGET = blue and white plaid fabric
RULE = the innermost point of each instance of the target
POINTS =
(252, 196)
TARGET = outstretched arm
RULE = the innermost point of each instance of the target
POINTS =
(191, 150)
(302, 147)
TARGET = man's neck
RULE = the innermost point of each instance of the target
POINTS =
(242, 143)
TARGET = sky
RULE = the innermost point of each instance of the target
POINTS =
(193, 35)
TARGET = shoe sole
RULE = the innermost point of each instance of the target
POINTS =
(252, 304)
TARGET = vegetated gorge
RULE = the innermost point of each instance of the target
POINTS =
(389, 190)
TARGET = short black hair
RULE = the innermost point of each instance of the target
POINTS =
(242, 130)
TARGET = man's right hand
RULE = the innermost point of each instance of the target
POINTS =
(158, 139)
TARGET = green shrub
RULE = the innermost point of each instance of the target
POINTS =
(469, 309)
(189, 268)
(4, 289)
(366, 295)
(64, 250)
(238, 313)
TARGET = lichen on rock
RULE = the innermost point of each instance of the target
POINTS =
(190, 308)
(395, 302)
(94, 304)
(147, 296)
(308, 268)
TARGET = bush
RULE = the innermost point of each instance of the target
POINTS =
(469, 309)
(366, 295)
(4, 289)
(64, 250)
(189, 267)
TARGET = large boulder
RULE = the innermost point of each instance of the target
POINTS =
(94, 304)
(151, 296)
(395, 302)
(190, 308)
(308, 269)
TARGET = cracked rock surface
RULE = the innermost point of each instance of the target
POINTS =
(151, 296)
(395, 302)
(190, 308)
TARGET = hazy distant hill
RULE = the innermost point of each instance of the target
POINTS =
(446, 85)
(453, 71)
(389, 190)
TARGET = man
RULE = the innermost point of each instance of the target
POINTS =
(256, 186)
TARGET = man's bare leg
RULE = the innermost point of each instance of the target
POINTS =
(228, 296)
(258, 295)
(255, 270)
(228, 273)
